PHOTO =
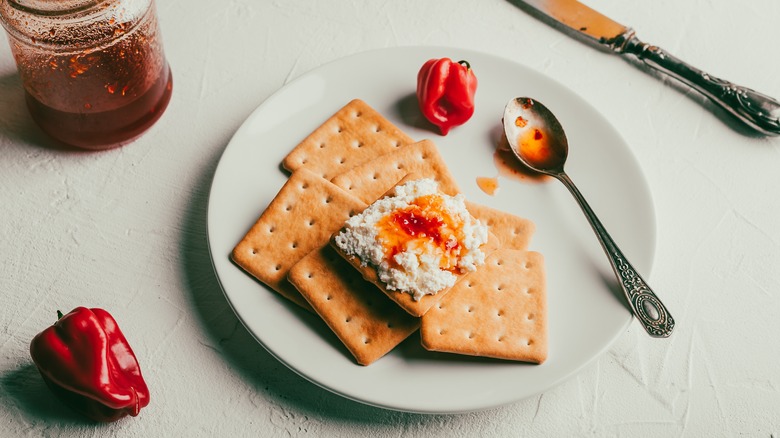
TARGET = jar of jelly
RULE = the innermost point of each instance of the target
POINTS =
(94, 72)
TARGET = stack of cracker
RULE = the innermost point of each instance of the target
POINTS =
(350, 161)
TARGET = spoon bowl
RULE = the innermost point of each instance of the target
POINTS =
(535, 135)
(538, 140)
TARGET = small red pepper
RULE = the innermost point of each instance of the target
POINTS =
(445, 92)
(85, 360)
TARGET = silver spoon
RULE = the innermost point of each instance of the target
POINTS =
(537, 139)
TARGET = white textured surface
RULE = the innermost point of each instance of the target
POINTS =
(125, 229)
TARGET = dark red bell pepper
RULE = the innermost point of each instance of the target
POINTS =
(85, 360)
(445, 92)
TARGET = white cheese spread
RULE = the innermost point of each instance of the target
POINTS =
(418, 240)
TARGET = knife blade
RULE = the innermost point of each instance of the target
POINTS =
(755, 110)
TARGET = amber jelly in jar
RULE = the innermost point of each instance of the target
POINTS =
(94, 72)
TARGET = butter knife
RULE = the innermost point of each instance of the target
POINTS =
(756, 110)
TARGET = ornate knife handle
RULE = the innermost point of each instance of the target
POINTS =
(645, 305)
(755, 109)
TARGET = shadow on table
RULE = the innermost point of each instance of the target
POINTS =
(35, 401)
(15, 121)
(230, 339)
(705, 103)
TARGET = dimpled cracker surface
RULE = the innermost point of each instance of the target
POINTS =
(513, 232)
(370, 180)
(367, 322)
(499, 311)
(301, 218)
(352, 136)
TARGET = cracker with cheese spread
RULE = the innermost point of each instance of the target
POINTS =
(414, 243)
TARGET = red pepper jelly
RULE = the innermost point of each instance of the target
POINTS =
(424, 225)
(94, 71)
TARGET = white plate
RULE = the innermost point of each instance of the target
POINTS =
(586, 314)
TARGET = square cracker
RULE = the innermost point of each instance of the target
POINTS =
(367, 322)
(370, 180)
(302, 217)
(498, 311)
(513, 232)
(353, 135)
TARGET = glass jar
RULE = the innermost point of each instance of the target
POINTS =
(94, 72)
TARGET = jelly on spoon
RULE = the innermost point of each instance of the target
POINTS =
(537, 139)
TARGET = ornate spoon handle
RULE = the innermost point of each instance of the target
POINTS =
(755, 109)
(646, 306)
